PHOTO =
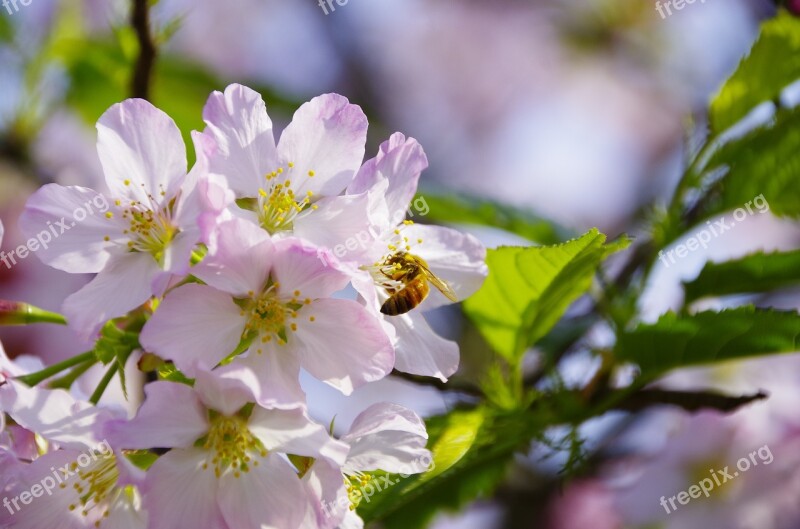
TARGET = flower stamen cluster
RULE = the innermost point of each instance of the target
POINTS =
(278, 205)
(232, 445)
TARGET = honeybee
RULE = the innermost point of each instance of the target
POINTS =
(414, 274)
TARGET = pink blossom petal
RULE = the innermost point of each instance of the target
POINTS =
(178, 254)
(218, 205)
(125, 283)
(324, 483)
(194, 323)
(341, 225)
(51, 511)
(171, 416)
(278, 374)
(387, 437)
(400, 161)
(385, 416)
(179, 493)
(65, 242)
(326, 136)
(11, 469)
(226, 389)
(54, 414)
(311, 271)
(239, 143)
(345, 346)
(292, 432)
(420, 351)
(125, 515)
(352, 521)
(241, 261)
(269, 495)
(141, 145)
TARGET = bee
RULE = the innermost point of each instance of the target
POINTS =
(414, 274)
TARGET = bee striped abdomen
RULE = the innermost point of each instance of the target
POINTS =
(410, 297)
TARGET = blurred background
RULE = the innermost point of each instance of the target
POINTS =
(575, 111)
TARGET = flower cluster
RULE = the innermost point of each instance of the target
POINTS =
(233, 277)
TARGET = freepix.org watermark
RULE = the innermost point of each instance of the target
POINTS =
(364, 238)
(12, 6)
(329, 6)
(717, 479)
(758, 205)
(98, 204)
(58, 478)
(665, 8)
(375, 484)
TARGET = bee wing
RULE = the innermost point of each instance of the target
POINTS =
(440, 284)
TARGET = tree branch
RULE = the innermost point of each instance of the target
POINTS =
(687, 400)
(143, 72)
(453, 385)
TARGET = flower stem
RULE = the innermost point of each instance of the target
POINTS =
(37, 378)
(67, 380)
(98, 393)
(18, 313)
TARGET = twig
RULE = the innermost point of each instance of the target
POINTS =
(687, 400)
(143, 72)
(453, 385)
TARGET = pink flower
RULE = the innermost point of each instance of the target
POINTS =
(458, 259)
(384, 437)
(228, 467)
(82, 483)
(137, 237)
(275, 299)
(294, 186)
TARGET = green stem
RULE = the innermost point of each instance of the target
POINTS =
(16, 313)
(37, 378)
(67, 380)
(98, 393)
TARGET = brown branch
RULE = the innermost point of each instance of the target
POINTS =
(143, 72)
(452, 385)
(687, 400)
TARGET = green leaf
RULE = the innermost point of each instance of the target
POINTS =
(764, 163)
(678, 341)
(530, 288)
(450, 209)
(471, 453)
(772, 65)
(759, 272)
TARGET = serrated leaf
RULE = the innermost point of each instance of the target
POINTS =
(530, 288)
(679, 341)
(772, 64)
(450, 209)
(764, 163)
(759, 272)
